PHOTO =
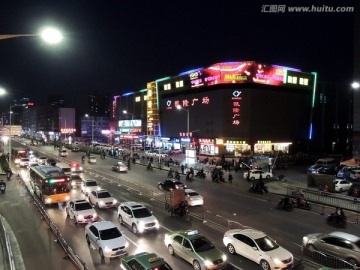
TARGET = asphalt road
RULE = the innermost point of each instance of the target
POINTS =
(229, 205)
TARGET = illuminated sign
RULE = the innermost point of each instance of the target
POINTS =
(130, 123)
(264, 142)
(235, 142)
(186, 102)
(206, 141)
(219, 141)
(235, 102)
(67, 130)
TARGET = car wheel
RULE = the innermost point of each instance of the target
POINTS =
(340, 190)
(87, 240)
(121, 220)
(252, 178)
(231, 249)
(268, 177)
(134, 229)
(196, 265)
(171, 250)
(101, 252)
(311, 248)
(352, 261)
(264, 265)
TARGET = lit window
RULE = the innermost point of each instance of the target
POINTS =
(167, 86)
(179, 84)
(304, 81)
(137, 99)
(145, 97)
(292, 79)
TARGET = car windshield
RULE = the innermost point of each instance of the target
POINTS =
(75, 177)
(165, 266)
(201, 244)
(104, 195)
(110, 234)
(82, 206)
(142, 213)
(266, 243)
(193, 194)
(91, 184)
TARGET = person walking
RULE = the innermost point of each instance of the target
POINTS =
(230, 178)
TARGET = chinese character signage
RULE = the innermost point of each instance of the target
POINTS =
(130, 123)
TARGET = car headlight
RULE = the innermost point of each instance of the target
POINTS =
(87, 189)
(98, 188)
(224, 258)
(208, 263)
(101, 203)
(72, 169)
(276, 261)
(80, 217)
(67, 198)
(126, 244)
(107, 249)
(80, 168)
(157, 225)
(114, 201)
(305, 240)
(48, 200)
(95, 215)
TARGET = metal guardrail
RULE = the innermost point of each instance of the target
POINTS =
(10, 261)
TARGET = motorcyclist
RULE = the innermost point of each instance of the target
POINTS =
(83, 158)
(8, 174)
(301, 200)
(177, 175)
(3, 184)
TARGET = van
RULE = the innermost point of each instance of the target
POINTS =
(65, 167)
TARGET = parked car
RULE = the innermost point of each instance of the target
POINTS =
(339, 244)
(342, 185)
(255, 174)
(258, 247)
(106, 238)
(170, 184)
(137, 217)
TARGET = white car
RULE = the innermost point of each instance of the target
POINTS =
(193, 198)
(89, 185)
(342, 185)
(102, 199)
(24, 162)
(255, 174)
(137, 217)
(42, 160)
(63, 153)
(258, 247)
(92, 160)
(120, 167)
(106, 238)
(81, 211)
(33, 164)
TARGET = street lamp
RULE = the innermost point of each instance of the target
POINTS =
(48, 34)
(131, 141)
(355, 85)
(92, 127)
(13, 106)
(188, 118)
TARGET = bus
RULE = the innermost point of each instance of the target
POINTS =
(18, 153)
(50, 184)
(65, 167)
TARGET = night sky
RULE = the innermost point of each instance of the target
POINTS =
(112, 47)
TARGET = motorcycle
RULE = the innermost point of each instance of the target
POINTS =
(258, 188)
(305, 205)
(2, 187)
(201, 174)
(286, 204)
(336, 220)
(177, 176)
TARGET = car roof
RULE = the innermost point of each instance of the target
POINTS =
(189, 234)
(103, 225)
(190, 190)
(90, 180)
(250, 232)
(133, 205)
(347, 236)
(80, 201)
(147, 260)
(101, 190)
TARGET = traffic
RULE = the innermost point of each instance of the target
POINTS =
(153, 230)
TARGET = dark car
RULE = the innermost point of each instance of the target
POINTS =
(354, 190)
(75, 149)
(328, 170)
(170, 184)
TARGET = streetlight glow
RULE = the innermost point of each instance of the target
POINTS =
(2, 91)
(51, 35)
(355, 85)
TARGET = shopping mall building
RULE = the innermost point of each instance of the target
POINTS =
(226, 108)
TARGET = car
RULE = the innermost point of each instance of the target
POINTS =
(175, 152)
(24, 162)
(33, 164)
(170, 184)
(106, 238)
(332, 170)
(76, 167)
(340, 244)
(81, 211)
(89, 185)
(255, 174)
(102, 199)
(342, 185)
(51, 161)
(75, 180)
(137, 217)
(144, 261)
(75, 149)
(195, 248)
(42, 160)
(92, 160)
(63, 153)
(354, 174)
(193, 198)
(354, 190)
(120, 167)
(258, 247)
(314, 168)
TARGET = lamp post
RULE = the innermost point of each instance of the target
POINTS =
(48, 34)
(92, 127)
(13, 106)
(188, 119)
(131, 140)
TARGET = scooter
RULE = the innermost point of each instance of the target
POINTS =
(286, 204)
(306, 205)
(336, 220)
(258, 188)
(201, 174)
(2, 187)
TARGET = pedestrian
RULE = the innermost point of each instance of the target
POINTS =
(230, 178)
(182, 167)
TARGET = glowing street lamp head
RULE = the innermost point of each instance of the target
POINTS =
(124, 111)
(51, 35)
(178, 107)
(2, 91)
(355, 85)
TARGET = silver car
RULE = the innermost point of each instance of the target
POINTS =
(339, 244)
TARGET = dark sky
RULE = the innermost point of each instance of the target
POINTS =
(113, 46)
